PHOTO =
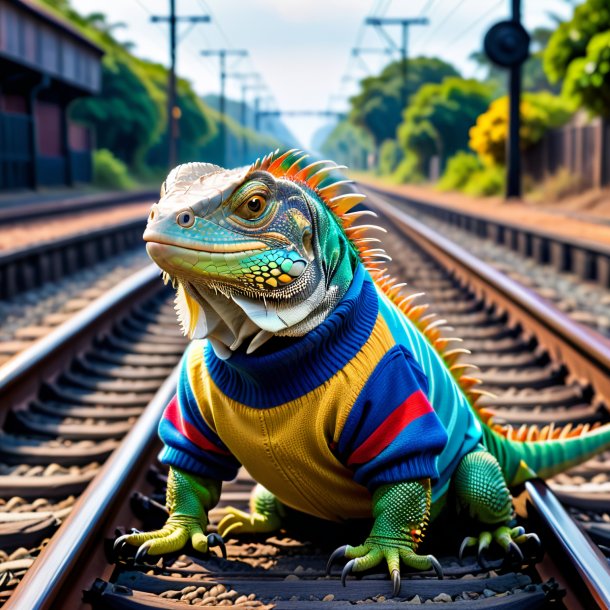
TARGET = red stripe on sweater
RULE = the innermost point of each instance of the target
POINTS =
(173, 415)
(412, 408)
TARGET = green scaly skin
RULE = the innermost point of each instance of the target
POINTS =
(188, 499)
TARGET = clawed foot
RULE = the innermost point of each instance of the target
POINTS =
(371, 554)
(508, 538)
(171, 538)
(237, 521)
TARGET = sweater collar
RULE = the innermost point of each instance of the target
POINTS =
(271, 379)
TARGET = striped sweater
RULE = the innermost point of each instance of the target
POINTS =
(360, 401)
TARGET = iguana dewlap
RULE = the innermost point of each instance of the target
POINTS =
(310, 369)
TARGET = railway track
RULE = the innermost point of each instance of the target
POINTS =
(24, 211)
(67, 402)
(29, 267)
(28, 317)
(542, 367)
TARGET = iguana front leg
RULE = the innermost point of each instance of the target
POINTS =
(482, 492)
(401, 512)
(189, 498)
(266, 513)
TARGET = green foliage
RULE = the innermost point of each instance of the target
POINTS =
(571, 39)
(409, 170)
(539, 112)
(349, 145)
(126, 117)
(459, 170)
(486, 182)
(109, 172)
(390, 155)
(438, 119)
(378, 107)
(588, 78)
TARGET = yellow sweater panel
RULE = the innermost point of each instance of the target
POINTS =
(286, 448)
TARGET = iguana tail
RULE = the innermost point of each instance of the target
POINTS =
(522, 458)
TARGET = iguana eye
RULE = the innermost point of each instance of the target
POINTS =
(185, 218)
(252, 208)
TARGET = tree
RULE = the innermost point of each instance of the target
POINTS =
(350, 145)
(126, 116)
(588, 78)
(539, 112)
(437, 122)
(571, 39)
(378, 107)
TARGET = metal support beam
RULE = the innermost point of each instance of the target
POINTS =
(173, 112)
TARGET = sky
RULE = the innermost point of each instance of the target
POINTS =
(302, 48)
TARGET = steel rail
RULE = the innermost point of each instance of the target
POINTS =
(43, 583)
(31, 266)
(23, 211)
(586, 353)
(573, 543)
(21, 375)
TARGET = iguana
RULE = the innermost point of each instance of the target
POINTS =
(308, 366)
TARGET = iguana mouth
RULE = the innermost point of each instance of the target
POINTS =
(152, 237)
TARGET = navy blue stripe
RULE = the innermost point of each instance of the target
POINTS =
(273, 379)
(190, 409)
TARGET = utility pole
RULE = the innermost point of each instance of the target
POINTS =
(379, 22)
(173, 112)
(222, 56)
(244, 77)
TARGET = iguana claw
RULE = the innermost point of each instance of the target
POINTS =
(508, 538)
(370, 554)
(436, 566)
(216, 540)
(336, 554)
(142, 552)
(240, 522)
(395, 582)
(346, 570)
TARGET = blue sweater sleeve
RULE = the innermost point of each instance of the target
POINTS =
(190, 444)
(392, 433)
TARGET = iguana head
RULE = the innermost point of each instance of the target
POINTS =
(254, 251)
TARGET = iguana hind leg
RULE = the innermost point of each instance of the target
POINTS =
(266, 514)
(481, 491)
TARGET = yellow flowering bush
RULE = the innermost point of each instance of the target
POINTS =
(539, 112)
